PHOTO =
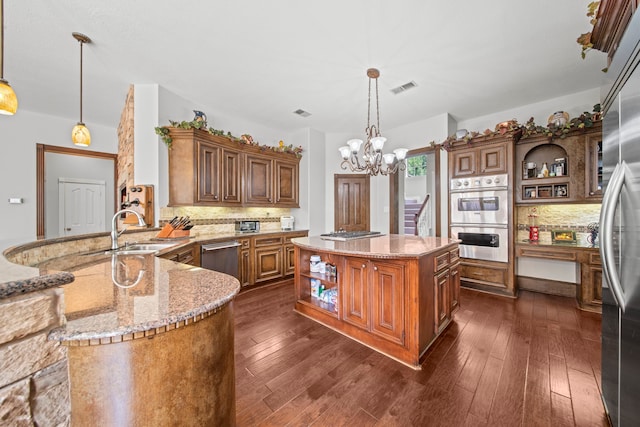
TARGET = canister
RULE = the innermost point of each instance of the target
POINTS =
(314, 263)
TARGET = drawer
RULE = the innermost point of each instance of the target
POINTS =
(454, 255)
(594, 258)
(288, 237)
(440, 261)
(267, 241)
(560, 255)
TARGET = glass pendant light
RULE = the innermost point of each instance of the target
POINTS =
(80, 134)
(8, 99)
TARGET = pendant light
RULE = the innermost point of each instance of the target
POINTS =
(8, 99)
(80, 134)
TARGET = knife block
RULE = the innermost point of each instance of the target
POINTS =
(168, 232)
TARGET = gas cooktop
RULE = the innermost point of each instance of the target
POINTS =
(349, 235)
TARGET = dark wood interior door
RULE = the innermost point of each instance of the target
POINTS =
(351, 202)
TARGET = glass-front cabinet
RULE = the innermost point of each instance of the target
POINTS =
(593, 167)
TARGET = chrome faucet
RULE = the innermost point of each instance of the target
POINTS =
(114, 225)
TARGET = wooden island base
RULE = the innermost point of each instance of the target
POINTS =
(393, 293)
(183, 375)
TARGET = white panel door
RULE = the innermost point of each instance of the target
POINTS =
(81, 206)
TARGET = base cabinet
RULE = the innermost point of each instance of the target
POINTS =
(396, 306)
(189, 254)
(268, 258)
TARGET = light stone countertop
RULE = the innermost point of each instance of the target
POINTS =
(385, 246)
(123, 297)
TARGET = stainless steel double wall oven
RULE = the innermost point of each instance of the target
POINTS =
(480, 216)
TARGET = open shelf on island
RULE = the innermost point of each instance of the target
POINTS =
(319, 304)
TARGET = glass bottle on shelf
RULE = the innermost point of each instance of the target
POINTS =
(544, 170)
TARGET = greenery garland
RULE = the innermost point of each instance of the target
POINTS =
(164, 133)
(515, 131)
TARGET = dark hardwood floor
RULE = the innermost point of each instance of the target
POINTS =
(532, 361)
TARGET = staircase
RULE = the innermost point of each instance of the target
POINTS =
(411, 208)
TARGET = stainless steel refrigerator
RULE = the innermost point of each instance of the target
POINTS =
(620, 232)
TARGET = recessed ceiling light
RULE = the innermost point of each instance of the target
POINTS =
(302, 113)
(404, 87)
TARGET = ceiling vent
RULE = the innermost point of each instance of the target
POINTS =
(302, 113)
(404, 87)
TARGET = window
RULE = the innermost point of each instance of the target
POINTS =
(417, 165)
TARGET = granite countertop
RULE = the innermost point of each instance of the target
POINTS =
(121, 297)
(385, 246)
(18, 279)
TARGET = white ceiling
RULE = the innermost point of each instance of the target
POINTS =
(261, 60)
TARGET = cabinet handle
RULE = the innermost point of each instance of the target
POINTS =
(269, 198)
(226, 197)
(215, 196)
(591, 193)
(364, 266)
(375, 268)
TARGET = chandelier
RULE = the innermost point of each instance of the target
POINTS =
(372, 157)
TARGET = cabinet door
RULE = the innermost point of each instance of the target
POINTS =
(231, 177)
(593, 167)
(387, 301)
(464, 163)
(355, 293)
(442, 295)
(286, 183)
(208, 173)
(245, 268)
(268, 262)
(289, 259)
(493, 159)
(454, 283)
(258, 180)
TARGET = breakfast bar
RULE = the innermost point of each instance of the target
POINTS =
(393, 293)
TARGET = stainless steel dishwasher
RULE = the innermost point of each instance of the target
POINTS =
(222, 257)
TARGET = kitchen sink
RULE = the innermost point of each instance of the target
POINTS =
(140, 248)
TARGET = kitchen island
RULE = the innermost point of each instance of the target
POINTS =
(141, 339)
(393, 293)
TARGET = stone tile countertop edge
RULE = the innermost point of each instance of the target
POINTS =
(32, 284)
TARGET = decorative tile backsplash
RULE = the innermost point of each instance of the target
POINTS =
(552, 217)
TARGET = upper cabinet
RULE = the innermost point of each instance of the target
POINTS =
(271, 182)
(564, 170)
(481, 160)
(208, 170)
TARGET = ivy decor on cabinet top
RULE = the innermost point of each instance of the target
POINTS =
(245, 139)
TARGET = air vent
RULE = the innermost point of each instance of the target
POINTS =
(302, 113)
(404, 87)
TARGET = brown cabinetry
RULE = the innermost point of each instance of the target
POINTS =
(590, 289)
(397, 306)
(271, 182)
(244, 263)
(574, 164)
(374, 297)
(484, 160)
(189, 254)
(211, 170)
(267, 258)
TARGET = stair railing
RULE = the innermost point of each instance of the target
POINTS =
(420, 219)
